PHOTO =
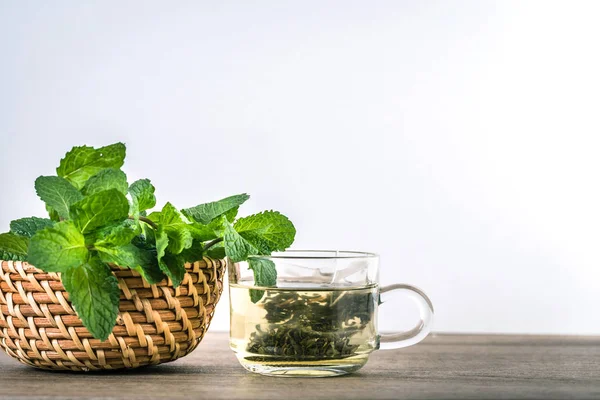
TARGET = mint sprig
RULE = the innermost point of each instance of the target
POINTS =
(97, 220)
(13, 247)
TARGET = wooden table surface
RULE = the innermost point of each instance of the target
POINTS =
(443, 366)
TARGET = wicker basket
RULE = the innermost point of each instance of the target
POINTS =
(156, 323)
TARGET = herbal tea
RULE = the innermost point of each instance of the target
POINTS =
(331, 329)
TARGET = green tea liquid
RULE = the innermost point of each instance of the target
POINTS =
(300, 331)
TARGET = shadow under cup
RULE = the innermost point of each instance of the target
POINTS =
(320, 319)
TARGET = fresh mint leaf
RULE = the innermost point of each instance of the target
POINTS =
(265, 275)
(145, 241)
(173, 265)
(99, 209)
(216, 252)
(194, 253)
(52, 214)
(117, 234)
(202, 232)
(179, 239)
(231, 214)
(58, 248)
(258, 234)
(130, 256)
(83, 162)
(57, 193)
(204, 213)
(207, 232)
(175, 227)
(124, 256)
(151, 272)
(109, 178)
(142, 195)
(13, 247)
(256, 295)
(236, 247)
(267, 231)
(94, 292)
(29, 226)
(258, 242)
(218, 225)
(162, 241)
(211, 231)
(165, 264)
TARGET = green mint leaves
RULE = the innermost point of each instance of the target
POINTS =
(204, 213)
(27, 227)
(57, 193)
(176, 230)
(106, 179)
(236, 247)
(258, 234)
(264, 273)
(268, 231)
(98, 222)
(94, 292)
(142, 195)
(13, 247)
(58, 248)
(116, 235)
(99, 209)
(83, 162)
(170, 270)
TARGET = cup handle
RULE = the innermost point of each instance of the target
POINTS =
(419, 332)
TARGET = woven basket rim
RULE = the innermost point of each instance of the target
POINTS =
(156, 323)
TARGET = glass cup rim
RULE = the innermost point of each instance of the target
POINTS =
(300, 254)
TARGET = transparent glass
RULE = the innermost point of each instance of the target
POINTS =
(320, 319)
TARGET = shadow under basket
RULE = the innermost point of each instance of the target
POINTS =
(156, 323)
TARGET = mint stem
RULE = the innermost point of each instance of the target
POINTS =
(212, 243)
(146, 220)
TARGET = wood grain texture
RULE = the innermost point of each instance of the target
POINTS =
(442, 367)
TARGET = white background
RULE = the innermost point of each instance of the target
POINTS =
(458, 139)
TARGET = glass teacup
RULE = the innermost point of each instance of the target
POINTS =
(321, 317)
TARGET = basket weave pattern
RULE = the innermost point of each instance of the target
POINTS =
(156, 323)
